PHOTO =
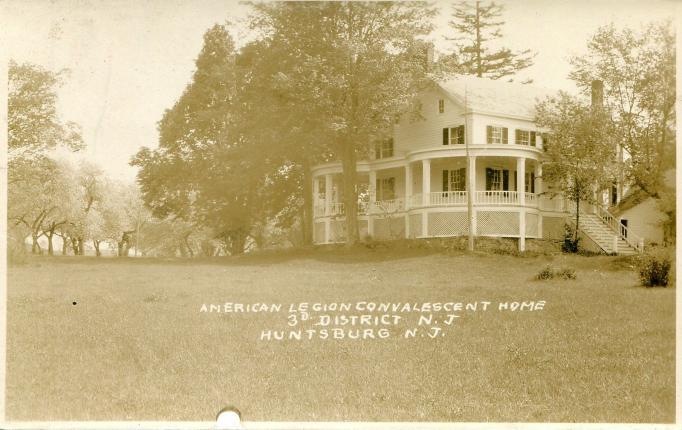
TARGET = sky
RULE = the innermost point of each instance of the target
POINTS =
(129, 60)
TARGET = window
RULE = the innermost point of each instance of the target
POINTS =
(385, 189)
(454, 180)
(525, 137)
(441, 106)
(383, 149)
(496, 179)
(530, 182)
(497, 135)
(453, 135)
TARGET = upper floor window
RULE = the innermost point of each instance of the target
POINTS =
(525, 137)
(453, 135)
(497, 134)
(441, 106)
(383, 148)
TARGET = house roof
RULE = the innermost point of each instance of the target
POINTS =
(637, 196)
(495, 96)
(631, 199)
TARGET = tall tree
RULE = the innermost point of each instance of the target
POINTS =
(33, 123)
(638, 71)
(357, 67)
(476, 24)
(580, 152)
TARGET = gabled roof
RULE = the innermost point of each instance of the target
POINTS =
(633, 198)
(495, 96)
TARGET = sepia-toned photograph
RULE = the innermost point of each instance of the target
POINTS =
(403, 214)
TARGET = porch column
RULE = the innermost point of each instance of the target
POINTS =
(426, 194)
(471, 173)
(408, 185)
(327, 207)
(521, 192)
(521, 180)
(408, 197)
(372, 199)
(316, 198)
(538, 191)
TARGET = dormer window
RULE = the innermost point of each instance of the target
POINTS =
(383, 149)
(441, 106)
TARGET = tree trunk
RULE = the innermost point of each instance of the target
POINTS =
(50, 248)
(95, 243)
(350, 194)
(65, 244)
(81, 247)
(35, 246)
(74, 245)
(185, 239)
(577, 219)
(307, 218)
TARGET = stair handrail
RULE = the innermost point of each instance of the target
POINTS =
(607, 218)
(618, 228)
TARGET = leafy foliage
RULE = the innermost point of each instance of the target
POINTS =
(581, 152)
(638, 71)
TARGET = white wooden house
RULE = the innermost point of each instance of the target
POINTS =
(416, 181)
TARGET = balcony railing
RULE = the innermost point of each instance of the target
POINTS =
(440, 198)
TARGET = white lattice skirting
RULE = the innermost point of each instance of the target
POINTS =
(497, 223)
(389, 228)
(448, 224)
(531, 225)
(318, 232)
(363, 230)
(415, 225)
(338, 230)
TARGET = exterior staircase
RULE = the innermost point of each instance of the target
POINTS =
(604, 236)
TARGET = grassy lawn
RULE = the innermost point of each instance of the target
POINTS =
(135, 346)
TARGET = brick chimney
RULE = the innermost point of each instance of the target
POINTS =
(597, 94)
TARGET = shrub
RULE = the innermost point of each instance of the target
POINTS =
(654, 268)
(570, 244)
(546, 273)
(566, 273)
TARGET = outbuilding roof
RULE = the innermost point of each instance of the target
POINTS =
(495, 96)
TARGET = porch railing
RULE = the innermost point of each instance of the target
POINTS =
(388, 206)
(439, 198)
(496, 197)
(628, 236)
(531, 199)
(448, 198)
